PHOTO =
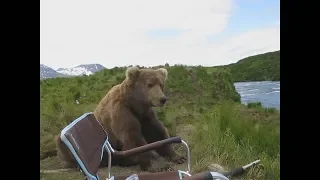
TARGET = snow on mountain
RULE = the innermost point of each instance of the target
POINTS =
(84, 69)
(47, 72)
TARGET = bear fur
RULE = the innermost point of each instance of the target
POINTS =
(126, 112)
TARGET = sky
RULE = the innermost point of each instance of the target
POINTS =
(155, 32)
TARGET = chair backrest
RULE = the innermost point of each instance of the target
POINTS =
(86, 139)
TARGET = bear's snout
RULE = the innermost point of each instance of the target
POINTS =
(163, 100)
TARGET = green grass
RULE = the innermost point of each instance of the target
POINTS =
(203, 109)
(231, 138)
(258, 105)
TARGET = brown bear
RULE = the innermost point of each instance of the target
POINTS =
(127, 114)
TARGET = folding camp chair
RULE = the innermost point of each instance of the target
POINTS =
(87, 140)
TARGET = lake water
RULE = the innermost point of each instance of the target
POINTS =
(266, 92)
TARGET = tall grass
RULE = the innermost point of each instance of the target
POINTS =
(227, 138)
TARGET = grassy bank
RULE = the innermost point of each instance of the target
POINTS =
(204, 109)
(234, 135)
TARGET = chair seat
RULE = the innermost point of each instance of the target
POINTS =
(173, 175)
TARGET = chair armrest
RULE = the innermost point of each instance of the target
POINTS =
(148, 147)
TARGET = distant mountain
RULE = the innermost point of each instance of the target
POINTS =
(47, 72)
(84, 69)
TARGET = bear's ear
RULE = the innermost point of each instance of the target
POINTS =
(132, 72)
(164, 72)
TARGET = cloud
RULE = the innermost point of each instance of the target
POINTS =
(118, 33)
(246, 44)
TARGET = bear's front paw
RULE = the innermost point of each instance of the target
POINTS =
(159, 168)
(178, 159)
(155, 155)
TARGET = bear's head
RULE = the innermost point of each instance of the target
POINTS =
(147, 86)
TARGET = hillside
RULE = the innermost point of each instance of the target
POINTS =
(203, 108)
(262, 67)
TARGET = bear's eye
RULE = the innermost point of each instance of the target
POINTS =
(150, 85)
